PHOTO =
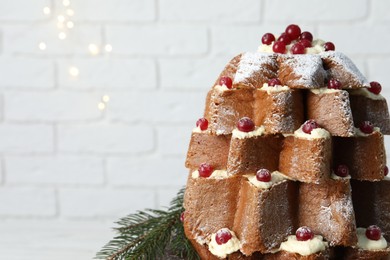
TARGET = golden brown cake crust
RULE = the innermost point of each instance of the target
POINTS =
(264, 218)
(360, 254)
(278, 112)
(284, 255)
(306, 160)
(208, 148)
(248, 155)
(331, 111)
(327, 209)
(364, 155)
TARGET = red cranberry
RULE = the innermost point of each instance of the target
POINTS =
(304, 233)
(205, 170)
(309, 125)
(182, 216)
(274, 82)
(268, 38)
(306, 36)
(285, 39)
(373, 232)
(329, 46)
(279, 47)
(293, 31)
(263, 175)
(375, 88)
(223, 236)
(245, 124)
(334, 84)
(202, 123)
(386, 170)
(298, 48)
(342, 170)
(227, 81)
(366, 127)
(305, 43)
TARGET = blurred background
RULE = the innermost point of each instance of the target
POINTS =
(98, 99)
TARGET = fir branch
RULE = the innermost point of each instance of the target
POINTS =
(150, 234)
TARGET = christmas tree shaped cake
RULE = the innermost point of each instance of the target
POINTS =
(288, 161)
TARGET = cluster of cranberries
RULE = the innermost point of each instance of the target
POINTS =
(293, 34)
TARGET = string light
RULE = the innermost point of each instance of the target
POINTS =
(70, 12)
(74, 71)
(70, 24)
(108, 48)
(65, 2)
(61, 18)
(62, 36)
(42, 46)
(93, 49)
(106, 98)
(101, 106)
(46, 10)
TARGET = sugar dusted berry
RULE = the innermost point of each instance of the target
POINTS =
(182, 216)
(306, 36)
(268, 38)
(309, 126)
(305, 43)
(298, 48)
(263, 175)
(373, 232)
(304, 233)
(202, 123)
(285, 39)
(274, 82)
(279, 47)
(341, 170)
(334, 84)
(386, 171)
(293, 31)
(245, 124)
(223, 236)
(205, 170)
(227, 81)
(375, 88)
(366, 127)
(329, 46)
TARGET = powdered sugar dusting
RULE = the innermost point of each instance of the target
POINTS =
(302, 71)
(255, 67)
(340, 62)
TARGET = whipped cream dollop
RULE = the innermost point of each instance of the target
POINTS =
(242, 135)
(221, 88)
(276, 177)
(319, 91)
(364, 92)
(304, 248)
(358, 132)
(225, 249)
(198, 130)
(277, 88)
(368, 244)
(315, 133)
(336, 177)
(216, 174)
(317, 47)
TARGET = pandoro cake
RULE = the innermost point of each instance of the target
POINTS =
(288, 160)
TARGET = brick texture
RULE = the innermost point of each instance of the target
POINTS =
(69, 169)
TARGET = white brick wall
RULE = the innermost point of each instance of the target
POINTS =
(67, 169)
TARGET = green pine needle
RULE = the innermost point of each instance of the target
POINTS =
(151, 234)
